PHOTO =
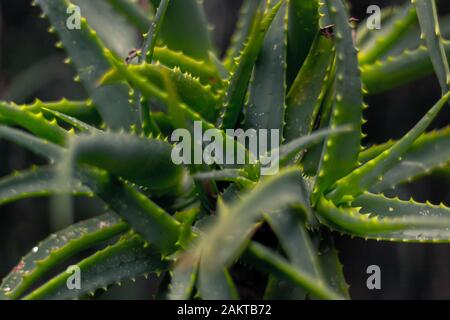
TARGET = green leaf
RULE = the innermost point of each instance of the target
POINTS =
(36, 123)
(268, 85)
(372, 172)
(86, 52)
(58, 248)
(75, 123)
(242, 70)
(145, 217)
(134, 14)
(403, 228)
(365, 37)
(197, 96)
(380, 206)
(308, 90)
(244, 27)
(402, 69)
(273, 263)
(153, 32)
(128, 258)
(114, 30)
(217, 285)
(234, 226)
(184, 277)
(340, 153)
(38, 146)
(303, 28)
(290, 230)
(206, 72)
(82, 110)
(331, 266)
(390, 34)
(291, 151)
(185, 28)
(431, 33)
(36, 182)
(302, 253)
(146, 162)
(430, 152)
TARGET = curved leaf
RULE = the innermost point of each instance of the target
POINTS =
(431, 33)
(128, 258)
(234, 226)
(36, 123)
(242, 71)
(303, 26)
(340, 153)
(308, 90)
(264, 258)
(244, 26)
(38, 146)
(268, 85)
(185, 28)
(146, 162)
(371, 172)
(37, 182)
(400, 24)
(380, 206)
(132, 12)
(402, 229)
(86, 52)
(58, 248)
(402, 69)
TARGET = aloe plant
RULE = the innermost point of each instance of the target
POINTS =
(294, 66)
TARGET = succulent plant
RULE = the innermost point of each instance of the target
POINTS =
(299, 67)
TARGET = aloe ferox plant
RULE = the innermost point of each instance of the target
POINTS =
(302, 67)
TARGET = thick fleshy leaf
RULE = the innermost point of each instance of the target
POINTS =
(191, 91)
(34, 122)
(268, 85)
(403, 228)
(380, 206)
(145, 217)
(185, 28)
(86, 52)
(81, 110)
(244, 27)
(308, 90)
(264, 258)
(372, 172)
(114, 30)
(303, 26)
(207, 73)
(217, 285)
(388, 35)
(153, 32)
(402, 69)
(36, 182)
(429, 153)
(431, 33)
(234, 226)
(340, 153)
(240, 75)
(38, 146)
(146, 162)
(133, 13)
(57, 248)
(184, 277)
(332, 268)
(127, 259)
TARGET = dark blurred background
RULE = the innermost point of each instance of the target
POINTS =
(31, 67)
